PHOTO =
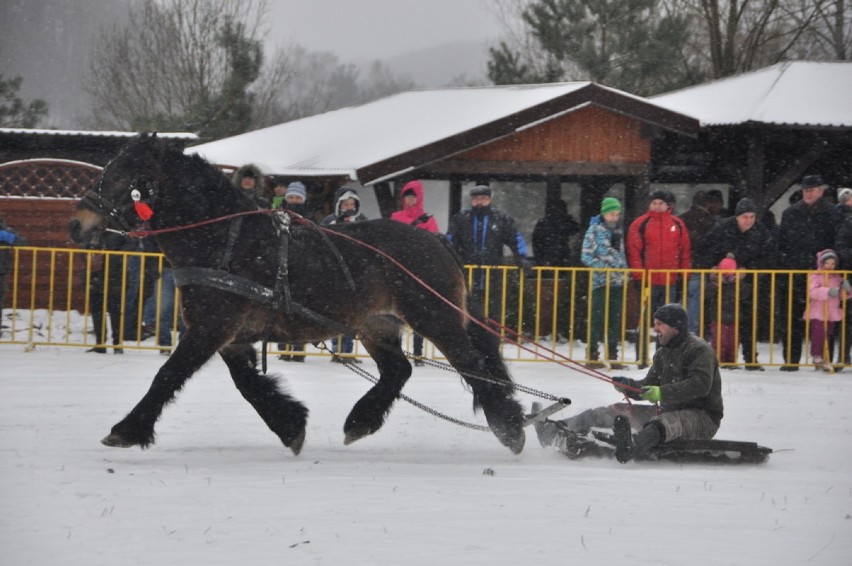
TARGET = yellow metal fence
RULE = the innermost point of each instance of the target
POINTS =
(67, 297)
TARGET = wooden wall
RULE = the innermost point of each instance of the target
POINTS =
(588, 135)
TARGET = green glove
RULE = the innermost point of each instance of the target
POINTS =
(651, 393)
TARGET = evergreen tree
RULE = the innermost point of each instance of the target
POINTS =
(14, 111)
(626, 44)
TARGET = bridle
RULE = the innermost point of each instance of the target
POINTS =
(113, 214)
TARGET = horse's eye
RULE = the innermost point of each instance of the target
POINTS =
(135, 195)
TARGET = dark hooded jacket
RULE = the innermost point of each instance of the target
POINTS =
(258, 195)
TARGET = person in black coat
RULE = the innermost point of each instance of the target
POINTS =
(699, 220)
(750, 244)
(551, 235)
(551, 244)
(807, 227)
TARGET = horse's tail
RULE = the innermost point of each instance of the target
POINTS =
(487, 344)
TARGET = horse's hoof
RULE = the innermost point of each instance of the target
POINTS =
(353, 435)
(516, 445)
(513, 440)
(116, 441)
(297, 443)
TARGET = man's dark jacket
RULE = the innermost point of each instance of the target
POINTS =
(469, 228)
(752, 249)
(804, 231)
(687, 371)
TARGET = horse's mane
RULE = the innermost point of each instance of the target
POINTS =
(191, 173)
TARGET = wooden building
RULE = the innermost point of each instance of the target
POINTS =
(44, 172)
(580, 133)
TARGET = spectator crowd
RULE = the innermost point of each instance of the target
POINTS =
(716, 261)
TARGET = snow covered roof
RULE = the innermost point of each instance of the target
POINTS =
(795, 93)
(94, 133)
(384, 138)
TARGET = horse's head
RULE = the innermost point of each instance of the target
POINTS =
(123, 193)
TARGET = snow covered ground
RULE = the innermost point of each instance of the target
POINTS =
(218, 488)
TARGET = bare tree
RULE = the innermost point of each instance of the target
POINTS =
(830, 35)
(741, 35)
(180, 65)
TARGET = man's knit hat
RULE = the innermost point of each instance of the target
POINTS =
(673, 315)
(610, 204)
(664, 195)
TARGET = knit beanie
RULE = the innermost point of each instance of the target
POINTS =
(296, 188)
(673, 315)
(610, 204)
(664, 195)
(744, 206)
(826, 254)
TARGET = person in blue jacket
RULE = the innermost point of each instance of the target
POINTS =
(479, 235)
(8, 238)
(603, 249)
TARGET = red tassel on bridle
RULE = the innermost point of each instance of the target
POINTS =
(143, 210)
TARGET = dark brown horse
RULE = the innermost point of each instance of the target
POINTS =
(258, 277)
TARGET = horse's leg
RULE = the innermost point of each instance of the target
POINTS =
(381, 337)
(193, 351)
(284, 415)
(475, 352)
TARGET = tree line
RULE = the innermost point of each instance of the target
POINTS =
(201, 65)
(648, 47)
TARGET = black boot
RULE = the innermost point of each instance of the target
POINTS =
(629, 446)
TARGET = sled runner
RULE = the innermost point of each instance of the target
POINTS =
(714, 450)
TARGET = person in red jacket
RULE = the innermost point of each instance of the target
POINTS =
(412, 213)
(659, 240)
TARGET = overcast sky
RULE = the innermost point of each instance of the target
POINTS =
(378, 29)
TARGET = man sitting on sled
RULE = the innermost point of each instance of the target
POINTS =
(684, 379)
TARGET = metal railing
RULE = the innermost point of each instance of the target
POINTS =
(68, 297)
